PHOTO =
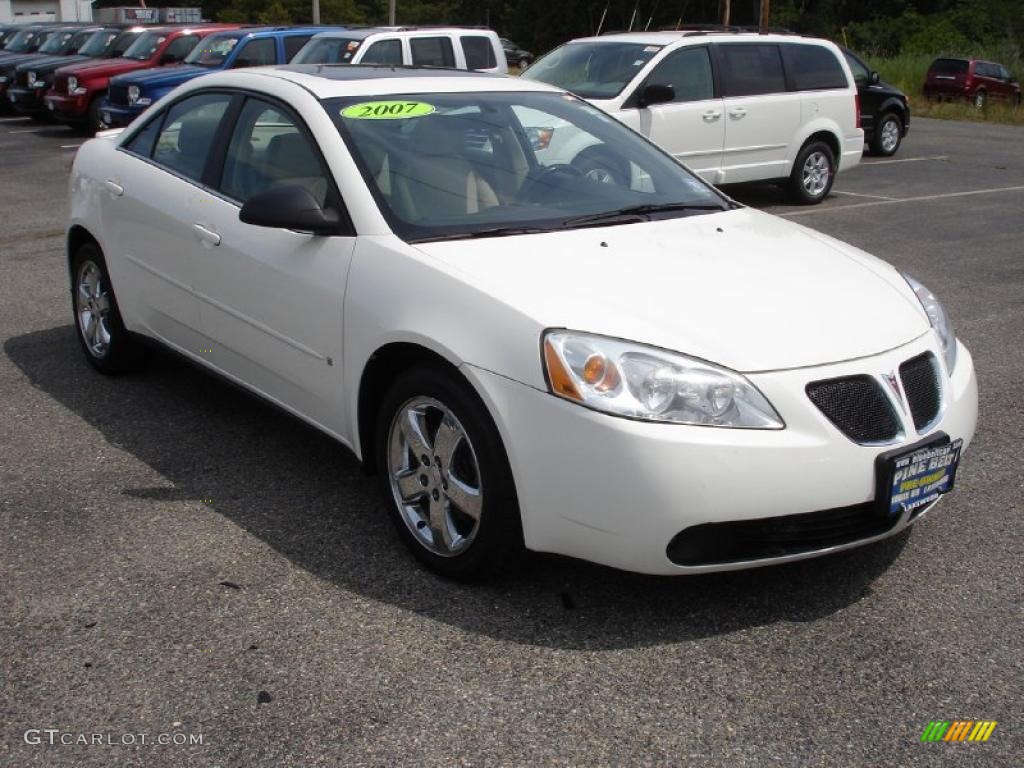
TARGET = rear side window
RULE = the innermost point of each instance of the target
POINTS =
(293, 45)
(432, 52)
(688, 71)
(256, 53)
(949, 66)
(751, 69)
(187, 133)
(813, 67)
(479, 52)
(384, 52)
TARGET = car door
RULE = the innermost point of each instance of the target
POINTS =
(271, 299)
(761, 116)
(690, 127)
(148, 199)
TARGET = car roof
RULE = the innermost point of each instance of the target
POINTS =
(697, 35)
(361, 33)
(326, 81)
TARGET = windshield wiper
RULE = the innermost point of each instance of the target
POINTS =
(480, 233)
(637, 213)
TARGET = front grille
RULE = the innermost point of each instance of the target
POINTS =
(858, 407)
(21, 79)
(117, 94)
(921, 384)
(60, 83)
(769, 537)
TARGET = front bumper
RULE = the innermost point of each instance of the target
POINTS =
(617, 491)
(27, 101)
(69, 108)
(119, 115)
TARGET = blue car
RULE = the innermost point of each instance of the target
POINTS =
(129, 95)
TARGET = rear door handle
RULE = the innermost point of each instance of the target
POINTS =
(711, 115)
(737, 113)
(113, 187)
(206, 235)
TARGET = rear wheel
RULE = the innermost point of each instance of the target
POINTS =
(813, 173)
(95, 120)
(888, 135)
(107, 344)
(445, 475)
(980, 97)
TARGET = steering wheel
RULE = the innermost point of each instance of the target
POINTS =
(546, 181)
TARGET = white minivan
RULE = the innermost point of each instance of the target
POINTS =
(476, 48)
(734, 107)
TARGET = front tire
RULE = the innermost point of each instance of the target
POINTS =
(107, 344)
(813, 174)
(888, 135)
(445, 475)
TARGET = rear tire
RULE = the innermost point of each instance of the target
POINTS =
(813, 174)
(979, 99)
(445, 475)
(888, 135)
(108, 345)
(95, 122)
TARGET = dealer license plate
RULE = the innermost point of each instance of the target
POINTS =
(920, 476)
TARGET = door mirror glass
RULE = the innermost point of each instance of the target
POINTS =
(290, 207)
(656, 93)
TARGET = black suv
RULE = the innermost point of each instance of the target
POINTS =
(884, 111)
(516, 56)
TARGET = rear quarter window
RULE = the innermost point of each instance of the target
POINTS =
(813, 68)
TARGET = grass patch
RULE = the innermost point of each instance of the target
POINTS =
(907, 72)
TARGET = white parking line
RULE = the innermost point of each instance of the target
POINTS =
(29, 130)
(70, 146)
(905, 160)
(861, 194)
(12, 119)
(920, 199)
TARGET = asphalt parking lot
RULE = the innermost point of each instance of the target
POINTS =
(177, 557)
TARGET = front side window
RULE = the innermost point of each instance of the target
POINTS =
(143, 141)
(751, 69)
(385, 52)
(268, 150)
(432, 52)
(328, 50)
(688, 71)
(211, 51)
(454, 165)
(478, 51)
(861, 73)
(256, 53)
(179, 48)
(145, 46)
(188, 130)
(592, 70)
(813, 67)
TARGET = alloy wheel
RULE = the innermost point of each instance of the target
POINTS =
(92, 305)
(816, 172)
(890, 135)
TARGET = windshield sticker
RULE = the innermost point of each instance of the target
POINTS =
(652, 49)
(387, 110)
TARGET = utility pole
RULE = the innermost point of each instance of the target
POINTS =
(766, 13)
(726, 12)
(391, 13)
(316, 11)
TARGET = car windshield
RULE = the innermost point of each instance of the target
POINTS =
(212, 51)
(328, 50)
(98, 43)
(592, 70)
(56, 42)
(122, 43)
(145, 46)
(21, 41)
(459, 165)
(949, 66)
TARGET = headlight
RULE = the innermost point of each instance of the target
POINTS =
(31, 78)
(641, 382)
(133, 94)
(73, 88)
(3, 79)
(939, 319)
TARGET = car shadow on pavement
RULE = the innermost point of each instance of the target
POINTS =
(307, 497)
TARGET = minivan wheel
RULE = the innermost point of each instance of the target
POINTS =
(888, 135)
(445, 475)
(813, 173)
(979, 99)
(107, 344)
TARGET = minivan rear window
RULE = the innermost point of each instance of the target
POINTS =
(949, 66)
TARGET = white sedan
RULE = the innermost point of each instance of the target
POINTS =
(631, 370)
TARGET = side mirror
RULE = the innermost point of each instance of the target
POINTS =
(290, 207)
(875, 79)
(655, 94)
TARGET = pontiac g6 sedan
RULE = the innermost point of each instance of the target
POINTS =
(633, 370)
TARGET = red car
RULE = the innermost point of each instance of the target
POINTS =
(975, 80)
(78, 89)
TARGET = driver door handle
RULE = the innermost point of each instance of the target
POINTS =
(711, 115)
(113, 187)
(206, 235)
(737, 113)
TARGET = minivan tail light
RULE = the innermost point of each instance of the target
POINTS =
(856, 107)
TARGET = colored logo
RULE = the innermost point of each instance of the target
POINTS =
(958, 730)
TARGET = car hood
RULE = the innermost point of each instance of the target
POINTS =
(11, 62)
(743, 289)
(104, 68)
(50, 63)
(164, 77)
